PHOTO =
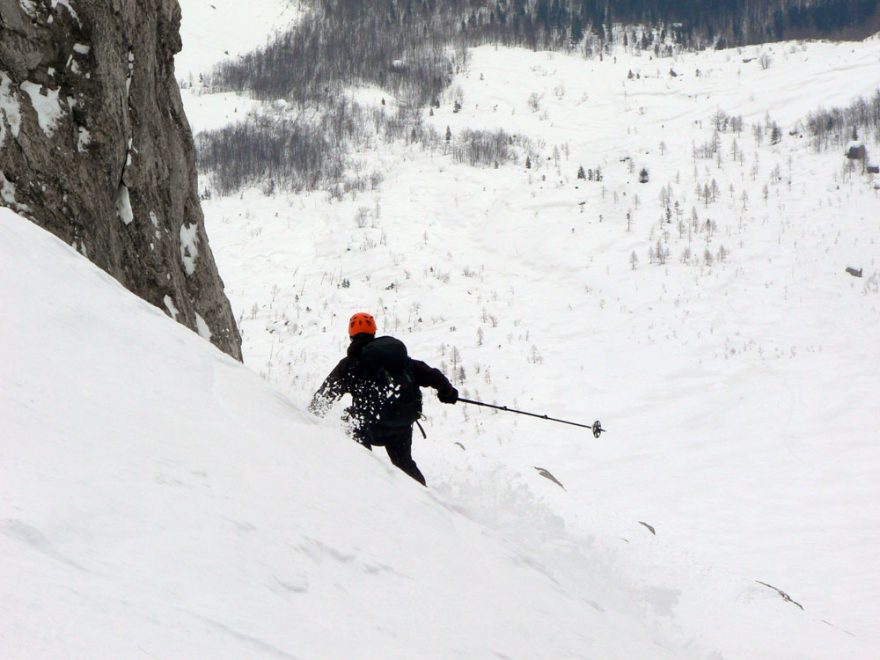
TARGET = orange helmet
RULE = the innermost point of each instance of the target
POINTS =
(361, 322)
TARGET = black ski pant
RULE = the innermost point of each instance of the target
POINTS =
(398, 444)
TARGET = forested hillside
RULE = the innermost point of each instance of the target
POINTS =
(411, 49)
(359, 38)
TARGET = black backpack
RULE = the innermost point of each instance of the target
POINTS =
(388, 397)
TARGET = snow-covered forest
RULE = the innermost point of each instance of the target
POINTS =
(622, 224)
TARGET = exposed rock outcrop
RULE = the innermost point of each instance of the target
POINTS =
(95, 147)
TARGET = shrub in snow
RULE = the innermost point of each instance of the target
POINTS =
(534, 102)
(486, 147)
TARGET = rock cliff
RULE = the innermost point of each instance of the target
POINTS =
(95, 147)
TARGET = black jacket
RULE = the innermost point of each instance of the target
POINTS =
(343, 379)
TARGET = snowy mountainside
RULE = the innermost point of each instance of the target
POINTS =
(214, 30)
(734, 376)
(160, 499)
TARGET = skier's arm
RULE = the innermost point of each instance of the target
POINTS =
(331, 390)
(430, 377)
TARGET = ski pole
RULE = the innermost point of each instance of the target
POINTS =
(596, 427)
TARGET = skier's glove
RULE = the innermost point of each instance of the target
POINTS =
(448, 395)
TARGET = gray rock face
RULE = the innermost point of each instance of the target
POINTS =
(95, 147)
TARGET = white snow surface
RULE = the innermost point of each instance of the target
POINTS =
(202, 327)
(161, 499)
(741, 396)
(173, 312)
(217, 30)
(191, 509)
(214, 30)
(47, 107)
(123, 204)
(189, 247)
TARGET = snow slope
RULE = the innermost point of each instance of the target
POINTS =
(741, 395)
(160, 499)
(214, 30)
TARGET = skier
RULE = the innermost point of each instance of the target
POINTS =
(384, 383)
